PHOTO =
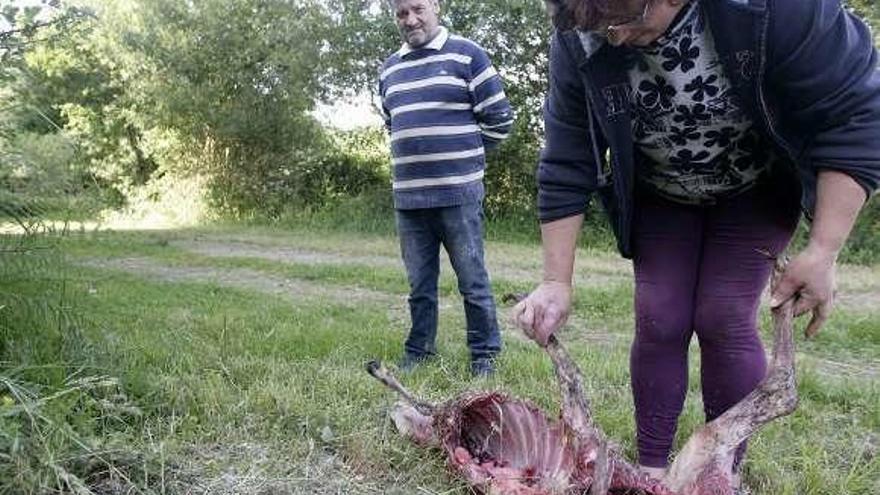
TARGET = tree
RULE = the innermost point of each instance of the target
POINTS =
(870, 11)
(36, 160)
(146, 88)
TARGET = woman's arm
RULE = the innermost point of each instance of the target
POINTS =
(547, 307)
(810, 275)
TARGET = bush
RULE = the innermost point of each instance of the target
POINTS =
(38, 164)
(864, 243)
(510, 176)
(167, 200)
(311, 177)
(370, 212)
(40, 178)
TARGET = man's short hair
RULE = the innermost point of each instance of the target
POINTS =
(393, 3)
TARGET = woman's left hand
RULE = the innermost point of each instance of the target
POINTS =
(810, 278)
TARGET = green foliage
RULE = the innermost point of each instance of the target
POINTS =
(234, 82)
(220, 88)
(114, 102)
(370, 213)
(863, 245)
(510, 176)
(37, 163)
(329, 169)
(60, 419)
(870, 11)
(361, 33)
(24, 27)
(40, 179)
(235, 71)
(58, 125)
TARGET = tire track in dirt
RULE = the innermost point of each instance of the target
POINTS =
(859, 287)
(298, 290)
(590, 273)
(244, 249)
(290, 289)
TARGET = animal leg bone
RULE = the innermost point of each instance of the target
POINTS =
(715, 443)
(577, 415)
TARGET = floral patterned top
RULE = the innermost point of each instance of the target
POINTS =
(688, 122)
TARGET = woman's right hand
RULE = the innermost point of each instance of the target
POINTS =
(543, 311)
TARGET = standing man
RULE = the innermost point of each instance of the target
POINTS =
(444, 105)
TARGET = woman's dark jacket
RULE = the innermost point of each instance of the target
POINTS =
(805, 70)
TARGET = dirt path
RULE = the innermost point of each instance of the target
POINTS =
(242, 249)
(294, 290)
(298, 290)
(509, 266)
(859, 286)
(289, 289)
(593, 273)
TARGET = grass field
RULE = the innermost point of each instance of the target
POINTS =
(230, 361)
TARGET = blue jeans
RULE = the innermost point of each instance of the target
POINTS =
(460, 230)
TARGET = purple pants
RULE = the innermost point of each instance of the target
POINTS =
(700, 269)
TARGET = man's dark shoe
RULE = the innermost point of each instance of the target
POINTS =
(410, 362)
(482, 367)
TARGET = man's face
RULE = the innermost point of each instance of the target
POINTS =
(417, 20)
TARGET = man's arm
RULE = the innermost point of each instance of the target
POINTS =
(386, 115)
(810, 275)
(492, 110)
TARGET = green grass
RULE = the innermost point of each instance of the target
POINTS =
(156, 386)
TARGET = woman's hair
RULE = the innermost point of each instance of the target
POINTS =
(581, 14)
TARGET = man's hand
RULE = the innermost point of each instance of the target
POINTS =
(544, 310)
(810, 278)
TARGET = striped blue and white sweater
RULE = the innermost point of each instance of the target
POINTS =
(444, 105)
